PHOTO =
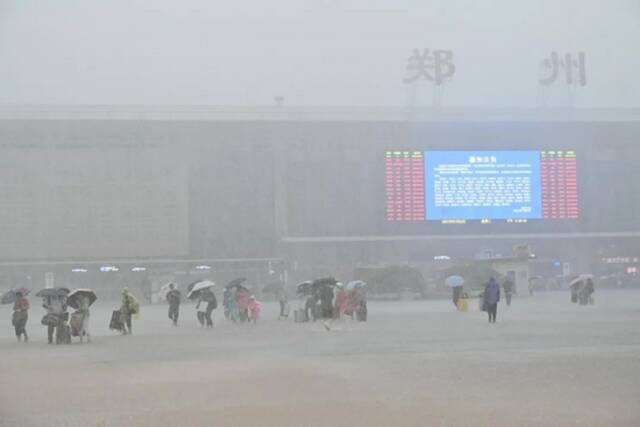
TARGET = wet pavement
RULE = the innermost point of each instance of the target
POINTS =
(415, 363)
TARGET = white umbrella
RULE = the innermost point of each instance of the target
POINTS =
(200, 286)
(454, 281)
(580, 278)
(74, 297)
(355, 284)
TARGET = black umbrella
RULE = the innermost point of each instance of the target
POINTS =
(325, 281)
(304, 288)
(53, 292)
(9, 297)
(236, 283)
(73, 299)
(242, 288)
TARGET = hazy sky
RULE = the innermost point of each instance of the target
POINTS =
(312, 52)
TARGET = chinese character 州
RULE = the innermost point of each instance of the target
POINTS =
(570, 66)
(434, 66)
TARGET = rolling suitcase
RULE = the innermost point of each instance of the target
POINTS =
(116, 324)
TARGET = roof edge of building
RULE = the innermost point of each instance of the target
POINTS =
(313, 114)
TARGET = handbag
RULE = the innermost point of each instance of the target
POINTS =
(49, 319)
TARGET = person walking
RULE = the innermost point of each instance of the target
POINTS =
(254, 309)
(56, 309)
(491, 298)
(173, 298)
(242, 301)
(359, 303)
(84, 305)
(231, 306)
(508, 286)
(226, 302)
(326, 301)
(207, 302)
(281, 294)
(342, 303)
(212, 304)
(201, 309)
(130, 306)
(457, 292)
(20, 316)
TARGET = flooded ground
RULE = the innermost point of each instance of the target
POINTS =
(546, 362)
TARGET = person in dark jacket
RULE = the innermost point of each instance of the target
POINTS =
(326, 301)
(457, 292)
(173, 298)
(212, 303)
(20, 316)
(56, 307)
(491, 297)
(508, 287)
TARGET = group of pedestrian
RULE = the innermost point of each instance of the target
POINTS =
(56, 302)
(240, 305)
(489, 298)
(350, 302)
(582, 289)
(329, 299)
(56, 319)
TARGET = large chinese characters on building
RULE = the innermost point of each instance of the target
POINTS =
(513, 186)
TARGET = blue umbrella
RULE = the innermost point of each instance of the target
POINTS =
(454, 281)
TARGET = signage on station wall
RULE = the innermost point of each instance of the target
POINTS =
(431, 65)
(569, 69)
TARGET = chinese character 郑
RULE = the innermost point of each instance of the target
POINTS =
(435, 66)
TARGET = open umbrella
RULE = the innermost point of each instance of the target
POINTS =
(304, 288)
(198, 286)
(325, 281)
(53, 292)
(454, 281)
(73, 299)
(355, 284)
(580, 278)
(191, 285)
(9, 297)
(236, 282)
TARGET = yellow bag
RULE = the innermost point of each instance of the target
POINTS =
(135, 307)
(462, 304)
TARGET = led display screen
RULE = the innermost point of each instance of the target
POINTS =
(465, 185)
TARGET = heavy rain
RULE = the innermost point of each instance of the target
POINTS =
(319, 213)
